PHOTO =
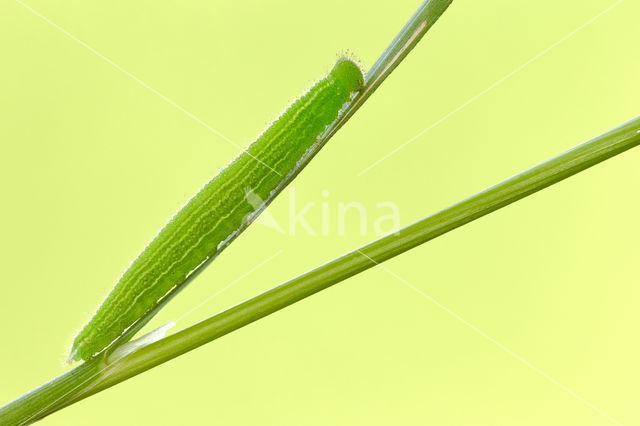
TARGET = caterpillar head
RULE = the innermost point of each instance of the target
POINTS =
(348, 74)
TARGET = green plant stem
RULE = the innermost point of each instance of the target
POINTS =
(90, 377)
(526, 183)
(416, 27)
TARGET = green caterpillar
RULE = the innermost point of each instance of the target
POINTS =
(214, 216)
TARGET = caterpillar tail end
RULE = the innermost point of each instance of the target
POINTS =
(74, 355)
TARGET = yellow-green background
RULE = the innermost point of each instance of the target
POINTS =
(93, 164)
